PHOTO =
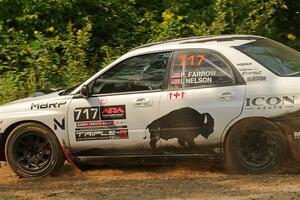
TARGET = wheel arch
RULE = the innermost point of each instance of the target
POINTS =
(284, 132)
(10, 128)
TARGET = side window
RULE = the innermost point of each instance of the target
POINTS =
(199, 68)
(138, 73)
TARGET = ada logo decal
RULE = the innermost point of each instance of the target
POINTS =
(113, 112)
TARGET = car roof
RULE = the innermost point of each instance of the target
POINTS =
(214, 42)
(210, 42)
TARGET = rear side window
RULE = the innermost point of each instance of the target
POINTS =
(199, 68)
(276, 57)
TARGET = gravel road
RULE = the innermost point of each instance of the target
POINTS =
(174, 182)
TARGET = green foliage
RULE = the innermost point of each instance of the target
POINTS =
(42, 61)
(60, 43)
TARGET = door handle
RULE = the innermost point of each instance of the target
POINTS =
(143, 102)
(226, 96)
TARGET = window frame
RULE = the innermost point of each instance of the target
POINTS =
(165, 80)
(238, 79)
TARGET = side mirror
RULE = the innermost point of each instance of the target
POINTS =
(85, 91)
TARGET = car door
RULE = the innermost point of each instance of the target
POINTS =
(124, 100)
(203, 95)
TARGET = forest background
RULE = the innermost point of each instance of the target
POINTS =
(60, 43)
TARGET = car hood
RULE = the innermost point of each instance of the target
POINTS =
(30, 99)
(23, 105)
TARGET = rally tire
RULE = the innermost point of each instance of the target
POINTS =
(255, 146)
(32, 150)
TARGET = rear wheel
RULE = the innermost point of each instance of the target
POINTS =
(32, 150)
(255, 146)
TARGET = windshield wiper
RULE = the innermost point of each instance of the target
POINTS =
(294, 74)
(69, 90)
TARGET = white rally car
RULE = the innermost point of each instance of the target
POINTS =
(236, 97)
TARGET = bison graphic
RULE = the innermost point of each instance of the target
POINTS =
(185, 124)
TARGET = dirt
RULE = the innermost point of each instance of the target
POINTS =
(151, 182)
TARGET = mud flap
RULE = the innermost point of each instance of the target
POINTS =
(294, 145)
(2, 147)
(293, 141)
(68, 155)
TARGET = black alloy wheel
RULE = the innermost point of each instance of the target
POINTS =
(255, 146)
(32, 150)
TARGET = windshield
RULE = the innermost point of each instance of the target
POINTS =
(278, 58)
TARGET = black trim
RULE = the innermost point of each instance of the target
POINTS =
(2, 146)
(224, 39)
(168, 71)
(1, 136)
(239, 80)
(203, 87)
(151, 156)
(126, 93)
(153, 159)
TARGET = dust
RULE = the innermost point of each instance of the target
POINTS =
(164, 182)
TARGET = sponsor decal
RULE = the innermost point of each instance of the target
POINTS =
(95, 124)
(185, 124)
(244, 64)
(102, 101)
(256, 78)
(192, 77)
(200, 74)
(176, 95)
(248, 69)
(102, 135)
(47, 105)
(86, 114)
(192, 60)
(251, 73)
(297, 135)
(113, 112)
(263, 103)
(61, 124)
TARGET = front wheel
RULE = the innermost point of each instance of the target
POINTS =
(32, 150)
(255, 146)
